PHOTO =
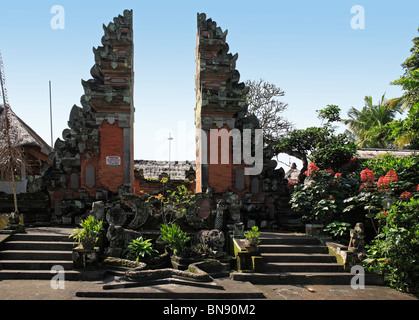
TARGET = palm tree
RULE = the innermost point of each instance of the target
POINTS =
(361, 122)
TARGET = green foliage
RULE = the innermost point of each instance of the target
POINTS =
(363, 123)
(406, 168)
(334, 152)
(89, 233)
(339, 231)
(319, 144)
(331, 113)
(140, 248)
(252, 236)
(395, 251)
(173, 204)
(321, 199)
(175, 238)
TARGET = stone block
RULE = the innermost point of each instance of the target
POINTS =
(85, 259)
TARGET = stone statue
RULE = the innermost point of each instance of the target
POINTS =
(219, 219)
(234, 206)
(214, 239)
(357, 242)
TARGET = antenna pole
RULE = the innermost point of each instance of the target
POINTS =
(50, 115)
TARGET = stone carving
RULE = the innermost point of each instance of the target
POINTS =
(357, 242)
(219, 219)
(142, 212)
(98, 210)
(119, 238)
(214, 239)
(116, 216)
(234, 205)
(143, 275)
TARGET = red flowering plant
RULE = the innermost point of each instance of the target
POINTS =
(312, 169)
(405, 195)
(320, 197)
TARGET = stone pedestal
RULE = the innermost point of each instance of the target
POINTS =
(85, 259)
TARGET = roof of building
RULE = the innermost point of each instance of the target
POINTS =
(374, 153)
(23, 135)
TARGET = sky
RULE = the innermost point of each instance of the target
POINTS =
(310, 49)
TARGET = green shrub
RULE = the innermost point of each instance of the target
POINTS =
(140, 248)
(252, 236)
(339, 231)
(321, 198)
(395, 251)
(89, 233)
(175, 238)
(406, 168)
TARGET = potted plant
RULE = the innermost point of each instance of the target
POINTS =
(88, 235)
(176, 241)
(253, 239)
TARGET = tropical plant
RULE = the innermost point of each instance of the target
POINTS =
(89, 233)
(339, 231)
(395, 251)
(406, 131)
(175, 238)
(361, 122)
(253, 236)
(140, 248)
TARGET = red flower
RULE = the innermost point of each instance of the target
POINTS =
(391, 176)
(367, 176)
(338, 175)
(330, 171)
(417, 189)
(383, 184)
(311, 169)
(405, 195)
(331, 198)
(384, 213)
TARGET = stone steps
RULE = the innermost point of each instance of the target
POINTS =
(32, 255)
(297, 259)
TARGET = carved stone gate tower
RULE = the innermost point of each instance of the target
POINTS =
(220, 104)
(95, 157)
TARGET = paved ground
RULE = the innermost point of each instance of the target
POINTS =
(41, 290)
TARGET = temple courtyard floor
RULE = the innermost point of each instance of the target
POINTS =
(42, 290)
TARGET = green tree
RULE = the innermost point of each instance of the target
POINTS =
(405, 132)
(321, 145)
(362, 123)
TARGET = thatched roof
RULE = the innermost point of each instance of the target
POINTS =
(374, 153)
(23, 135)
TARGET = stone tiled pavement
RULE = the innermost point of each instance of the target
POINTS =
(41, 290)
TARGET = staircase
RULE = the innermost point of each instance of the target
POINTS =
(296, 259)
(32, 255)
